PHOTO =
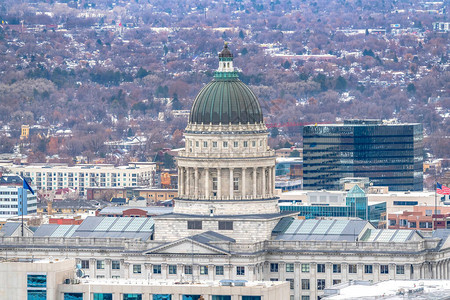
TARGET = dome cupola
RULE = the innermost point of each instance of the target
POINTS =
(226, 99)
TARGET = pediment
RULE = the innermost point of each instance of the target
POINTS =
(187, 246)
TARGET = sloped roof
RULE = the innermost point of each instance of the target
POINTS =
(9, 228)
(388, 235)
(101, 227)
(322, 230)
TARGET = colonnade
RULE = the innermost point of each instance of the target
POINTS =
(226, 183)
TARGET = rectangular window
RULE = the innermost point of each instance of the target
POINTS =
(225, 225)
(320, 268)
(205, 144)
(336, 268)
(245, 144)
(305, 284)
(188, 270)
(37, 281)
(320, 284)
(100, 264)
(132, 296)
(219, 270)
(103, 296)
(214, 183)
(291, 283)
(156, 269)
(240, 271)
(196, 144)
(289, 267)
(384, 269)
(37, 295)
(172, 269)
(305, 268)
(400, 270)
(225, 144)
(352, 269)
(305, 297)
(203, 270)
(115, 265)
(214, 144)
(368, 269)
(336, 281)
(273, 268)
(235, 144)
(73, 296)
(85, 264)
(136, 269)
(236, 183)
(194, 225)
(253, 143)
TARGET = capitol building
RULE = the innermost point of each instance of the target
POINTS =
(226, 222)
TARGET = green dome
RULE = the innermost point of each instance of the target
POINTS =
(226, 101)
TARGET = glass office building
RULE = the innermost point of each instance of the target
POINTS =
(388, 154)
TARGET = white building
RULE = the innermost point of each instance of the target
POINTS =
(9, 199)
(81, 177)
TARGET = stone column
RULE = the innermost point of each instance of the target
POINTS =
(416, 270)
(376, 273)
(219, 183)
(392, 271)
(329, 274)
(108, 268)
(269, 183)
(360, 271)
(92, 267)
(298, 280)
(207, 193)
(148, 271)
(196, 183)
(180, 181)
(231, 183)
(445, 269)
(263, 179)
(126, 270)
(254, 182)
(243, 183)
(344, 270)
(211, 272)
(407, 272)
(282, 271)
(188, 182)
(251, 272)
(434, 270)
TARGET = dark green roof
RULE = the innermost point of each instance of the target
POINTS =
(226, 100)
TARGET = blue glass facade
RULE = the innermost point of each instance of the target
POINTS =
(390, 155)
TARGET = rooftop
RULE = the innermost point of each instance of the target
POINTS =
(391, 289)
(320, 230)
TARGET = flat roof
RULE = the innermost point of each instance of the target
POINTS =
(178, 282)
(392, 289)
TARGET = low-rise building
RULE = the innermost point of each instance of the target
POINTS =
(81, 177)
